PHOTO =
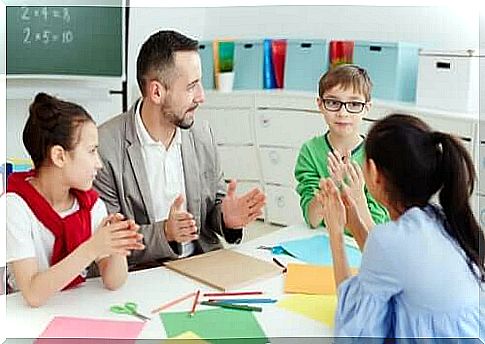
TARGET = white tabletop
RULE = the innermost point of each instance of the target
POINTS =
(153, 287)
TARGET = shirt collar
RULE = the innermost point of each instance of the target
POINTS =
(144, 136)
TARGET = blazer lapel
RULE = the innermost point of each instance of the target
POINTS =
(137, 163)
(191, 174)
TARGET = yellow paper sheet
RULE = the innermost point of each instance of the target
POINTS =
(316, 307)
(311, 279)
(188, 337)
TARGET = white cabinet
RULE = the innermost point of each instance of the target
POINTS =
(230, 126)
(278, 165)
(287, 128)
(283, 205)
(240, 162)
(231, 118)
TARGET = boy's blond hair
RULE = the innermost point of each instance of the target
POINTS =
(346, 76)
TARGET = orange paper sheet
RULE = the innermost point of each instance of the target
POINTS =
(311, 279)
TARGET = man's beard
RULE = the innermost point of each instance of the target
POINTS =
(185, 122)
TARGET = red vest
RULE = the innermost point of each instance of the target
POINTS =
(69, 232)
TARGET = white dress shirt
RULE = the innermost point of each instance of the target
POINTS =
(165, 173)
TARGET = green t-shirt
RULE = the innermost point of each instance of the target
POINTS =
(311, 166)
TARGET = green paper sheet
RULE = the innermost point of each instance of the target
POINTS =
(216, 326)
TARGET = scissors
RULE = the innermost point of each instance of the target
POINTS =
(128, 308)
(273, 249)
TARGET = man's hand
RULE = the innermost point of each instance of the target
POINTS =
(239, 211)
(180, 225)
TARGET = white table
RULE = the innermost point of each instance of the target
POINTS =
(153, 287)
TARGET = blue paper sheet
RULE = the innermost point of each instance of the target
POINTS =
(316, 250)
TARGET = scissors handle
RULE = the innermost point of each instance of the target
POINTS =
(129, 308)
(119, 310)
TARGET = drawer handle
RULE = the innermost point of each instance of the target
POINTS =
(280, 201)
(306, 45)
(274, 157)
(265, 122)
(443, 65)
(202, 46)
(375, 48)
(248, 46)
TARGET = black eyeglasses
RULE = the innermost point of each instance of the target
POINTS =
(354, 107)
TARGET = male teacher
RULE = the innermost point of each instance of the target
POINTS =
(161, 167)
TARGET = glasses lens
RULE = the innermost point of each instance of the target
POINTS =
(332, 105)
(354, 107)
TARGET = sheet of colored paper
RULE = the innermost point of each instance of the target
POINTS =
(316, 250)
(188, 337)
(81, 328)
(317, 307)
(216, 324)
(310, 279)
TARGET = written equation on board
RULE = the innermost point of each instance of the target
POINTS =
(39, 23)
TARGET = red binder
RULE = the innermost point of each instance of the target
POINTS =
(278, 49)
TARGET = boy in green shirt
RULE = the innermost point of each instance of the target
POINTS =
(344, 98)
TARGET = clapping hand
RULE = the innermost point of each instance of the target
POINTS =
(239, 211)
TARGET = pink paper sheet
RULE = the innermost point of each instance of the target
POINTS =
(78, 329)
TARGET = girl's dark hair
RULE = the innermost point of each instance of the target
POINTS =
(417, 163)
(52, 122)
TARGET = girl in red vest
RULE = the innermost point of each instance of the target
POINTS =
(56, 224)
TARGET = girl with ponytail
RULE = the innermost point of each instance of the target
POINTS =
(56, 224)
(422, 273)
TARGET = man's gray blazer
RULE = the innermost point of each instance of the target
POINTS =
(123, 186)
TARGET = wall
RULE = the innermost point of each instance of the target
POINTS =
(146, 20)
(432, 27)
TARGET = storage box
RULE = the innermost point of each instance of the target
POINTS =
(393, 68)
(248, 65)
(449, 80)
(207, 61)
(306, 61)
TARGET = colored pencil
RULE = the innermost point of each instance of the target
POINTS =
(174, 302)
(234, 293)
(232, 306)
(280, 264)
(192, 311)
(243, 300)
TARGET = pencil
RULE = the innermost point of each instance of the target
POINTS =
(234, 293)
(232, 306)
(171, 303)
(243, 300)
(192, 311)
(279, 264)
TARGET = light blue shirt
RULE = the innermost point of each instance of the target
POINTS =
(413, 282)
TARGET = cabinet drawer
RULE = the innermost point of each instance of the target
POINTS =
(287, 128)
(278, 165)
(461, 128)
(240, 162)
(283, 205)
(230, 125)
